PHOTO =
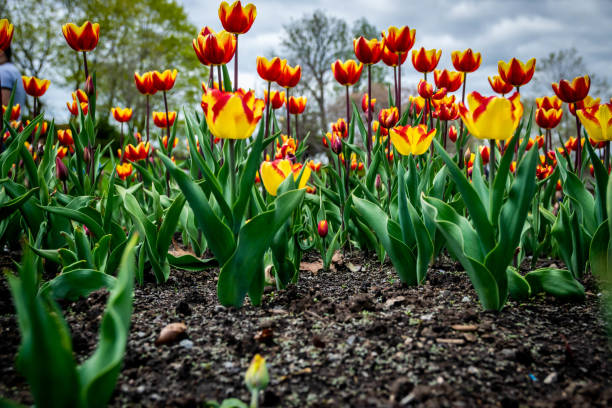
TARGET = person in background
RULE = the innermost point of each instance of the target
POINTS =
(9, 77)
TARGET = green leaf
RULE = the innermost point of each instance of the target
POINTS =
(580, 196)
(99, 373)
(518, 287)
(601, 181)
(600, 254)
(76, 283)
(7, 208)
(80, 217)
(254, 239)
(168, 226)
(556, 282)
(189, 262)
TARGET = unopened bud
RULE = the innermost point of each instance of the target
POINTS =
(322, 228)
(61, 171)
(378, 182)
(256, 377)
(86, 154)
(89, 86)
(336, 145)
(466, 156)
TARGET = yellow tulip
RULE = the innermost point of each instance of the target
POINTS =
(232, 115)
(273, 173)
(597, 121)
(492, 117)
(256, 377)
(411, 140)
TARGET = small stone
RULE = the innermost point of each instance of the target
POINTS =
(465, 327)
(473, 370)
(353, 268)
(186, 343)
(140, 334)
(351, 339)
(171, 333)
(219, 308)
(551, 378)
(427, 316)
(508, 353)
(140, 389)
(228, 365)
(466, 299)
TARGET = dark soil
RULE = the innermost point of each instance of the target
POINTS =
(347, 339)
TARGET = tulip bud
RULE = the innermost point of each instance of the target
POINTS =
(467, 155)
(452, 133)
(378, 182)
(322, 228)
(86, 155)
(336, 144)
(61, 171)
(89, 86)
(256, 377)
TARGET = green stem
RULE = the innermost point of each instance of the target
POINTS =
(232, 172)
(254, 399)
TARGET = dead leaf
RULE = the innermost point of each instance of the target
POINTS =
(313, 267)
(353, 268)
(469, 337)
(464, 327)
(337, 258)
(171, 333)
(269, 278)
(264, 336)
(390, 302)
(450, 341)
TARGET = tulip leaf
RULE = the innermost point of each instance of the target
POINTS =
(580, 196)
(254, 239)
(518, 287)
(168, 226)
(190, 262)
(556, 282)
(78, 216)
(401, 256)
(220, 238)
(76, 283)
(476, 208)
(601, 182)
(600, 253)
(500, 182)
(7, 208)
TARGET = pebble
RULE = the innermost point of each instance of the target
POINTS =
(228, 364)
(427, 316)
(551, 378)
(186, 343)
(351, 339)
(465, 299)
(140, 389)
(473, 370)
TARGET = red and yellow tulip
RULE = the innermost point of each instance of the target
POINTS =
(411, 139)
(548, 118)
(6, 33)
(491, 117)
(162, 121)
(515, 72)
(235, 18)
(277, 99)
(426, 91)
(572, 92)
(391, 59)
(136, 153)
(269, 70)
(15, 111)
(347, 73)
(165, 142)
(164, 81)
(83, 38)
(388, 117)
(399, 40)
(425, 60)
(296, 105)
(364, 103)
(368, 51)
(499, 86)
(466, 61)
(450, 80)
(215, 49)
(548, 102)
(124, 170)
(587, 102)
(273, 173)
(65, 137)
(597, 121)
(122, 115)
(144, 83)
(35, 87)
(322, 228)
(289, 76)
(232, 115)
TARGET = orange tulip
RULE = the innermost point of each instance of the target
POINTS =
(124, 170)
(215, 49)
(484, 154)
(289, 76)
(391, 59)
(572, 92)
(269, 70)
(122, 115)
(83, 38)
(466, 61)
(6, 34)
(425, 60)
(548, 118)
(77, 99)
(296, 105)
(65, 137)
(451, 80)
(164, 81)
(162, 121)
(499, 85)
(548, 102)
(35, 87)
(277, 99)
(15, 111)
(235, 18)
(347, 73)
(388, 117)
(144, 83)
(399, 40)
(515, 72)
(368, 51)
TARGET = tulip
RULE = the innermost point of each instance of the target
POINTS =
(276, 98)
(15, 111)
(83, 38)
(411, 140)
(289, 78)
(587, 102)
(448, 111)
(426, 91)
(364, 103)
(493, 118)
(65, 137)
(347, 73)
(484, 154)
(231, 115)
(340, 128)
(237, 20)
(450, 80)
(548, 118)
(269, 70)
(144, 83)
(163, 120)
(452, 134)
(499, 86)
(124, 170)
(256, 378)
(396, 45)
(35, 87)
(6, 33)
(74, 106)
(297, 105)
(548, 102)
(314, 166)
(136, 153)
(515, 72)
(466, 61)
(597, 122)
(273, 173)
(215, 49)
(391, 59)
(164, 81)
(165, 142)
(368, 51)
(388, 117)
(61, 171)
(61, 152)
(417, 104)
(336, 144)
(322, 228)
(425, 60)
(122, 115)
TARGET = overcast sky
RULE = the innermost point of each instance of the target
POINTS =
(498, 29)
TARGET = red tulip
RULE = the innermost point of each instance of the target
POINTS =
(425, 60)
(515, 72)
(164, 81)
(269, 70)
(144, 83)
(35, 87)
(572, 92)
(235, 18)
(451, 80)
(399, 40)
(83, 38)
(466, 61)
(368, 51)
(289, 76)
(296, 105)
(499, 86)
(347, 73)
